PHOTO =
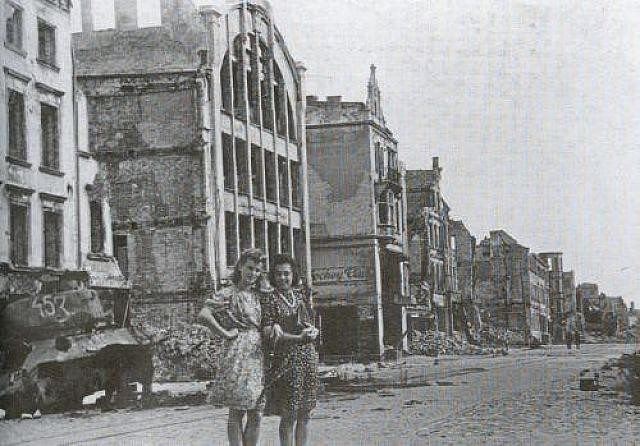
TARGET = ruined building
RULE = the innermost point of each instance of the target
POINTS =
(557, 312)
(465, 247)
(358, 226)
(198, 127)
(592, 305)
(51, 207)
(434, 269)
(512, 287)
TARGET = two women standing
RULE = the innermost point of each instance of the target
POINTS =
(276, 320)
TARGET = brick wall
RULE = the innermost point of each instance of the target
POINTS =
(145, 132)
(163, 117)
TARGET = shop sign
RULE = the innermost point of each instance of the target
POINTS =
(339, 274)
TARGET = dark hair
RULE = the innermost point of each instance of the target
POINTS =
(283, 259)
(254, 254)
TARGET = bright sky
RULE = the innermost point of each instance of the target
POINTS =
(532, 107)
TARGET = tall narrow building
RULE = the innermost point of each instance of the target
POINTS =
(198, 128)
(557, 304)
(358, 226)
(433, 250)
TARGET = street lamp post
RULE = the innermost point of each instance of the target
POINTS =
(436, 360)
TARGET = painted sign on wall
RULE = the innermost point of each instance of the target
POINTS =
(339, 274)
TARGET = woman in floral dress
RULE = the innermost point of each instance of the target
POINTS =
(235, 315)
(292, 376)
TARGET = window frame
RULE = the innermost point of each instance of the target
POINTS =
(96, 205)
(24, 155)
(12, 241)
(59, 214)
(48, 60)
(12, 45)
(44, 161)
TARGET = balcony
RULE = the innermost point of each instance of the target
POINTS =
(391, 179)
(386, 230)
(399, 299)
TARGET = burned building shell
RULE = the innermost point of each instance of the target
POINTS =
(197, 125)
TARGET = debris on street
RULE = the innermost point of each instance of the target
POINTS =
(621, 375)
(426, 343)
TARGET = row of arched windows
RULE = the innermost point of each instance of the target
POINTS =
(268, 102)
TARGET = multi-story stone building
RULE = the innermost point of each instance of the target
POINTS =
(358, 226)
(432, 250)
(615, 320)
(556, 295)
(465, 247)
(537, 303)
(512, 286)
(54, 221)
(573, 314)
(198, 127)
(588, 295)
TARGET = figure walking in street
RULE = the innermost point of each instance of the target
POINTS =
(292, 376)
(235, 315)
(569, 330)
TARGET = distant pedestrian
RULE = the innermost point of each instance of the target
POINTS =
(235, 315)
(570, 329)
(292, 367)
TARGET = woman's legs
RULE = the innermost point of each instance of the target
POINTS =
(302, 428)
(286, 430)
(234, 427)
(252, 429)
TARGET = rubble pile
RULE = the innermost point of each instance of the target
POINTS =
(184, 351)
(189, 350)
(424, 343)
(493, 337)
(621, 375)
(590, 337)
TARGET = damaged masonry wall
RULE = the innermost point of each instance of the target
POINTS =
(181, 162)
(144, 125)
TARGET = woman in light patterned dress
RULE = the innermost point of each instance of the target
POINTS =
(292, 376)
(235, 315)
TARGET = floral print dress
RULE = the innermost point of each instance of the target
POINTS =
(238, 383)
(292, 370)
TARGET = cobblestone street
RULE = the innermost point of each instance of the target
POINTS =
(528, 397)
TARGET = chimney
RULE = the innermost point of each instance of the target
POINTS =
(87, 16)
(126, 14)
(334, 99)
(633, 305)
(436, 162)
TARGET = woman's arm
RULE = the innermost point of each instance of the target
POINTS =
(206, 318)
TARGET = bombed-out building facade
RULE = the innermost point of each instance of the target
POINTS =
(197, 125)
(434, 267)
(512, 287)
(358, 226)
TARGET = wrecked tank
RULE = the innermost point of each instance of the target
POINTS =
(61, 340)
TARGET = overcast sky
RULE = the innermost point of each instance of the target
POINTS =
(532, 106)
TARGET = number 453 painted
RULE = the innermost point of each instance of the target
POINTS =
(51, 306)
